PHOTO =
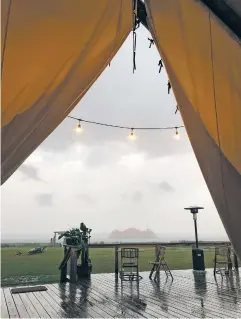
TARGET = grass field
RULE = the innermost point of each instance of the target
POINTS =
(44, 267)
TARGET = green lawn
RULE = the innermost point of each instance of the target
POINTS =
(44, 267)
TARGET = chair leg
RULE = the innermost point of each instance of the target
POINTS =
(152, 271)
(214, 268)
(157, 271)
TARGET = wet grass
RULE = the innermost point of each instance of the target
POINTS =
(44, 267)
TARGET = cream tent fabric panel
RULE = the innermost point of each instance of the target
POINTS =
(54, 52)
(187, 33)
(203, 61)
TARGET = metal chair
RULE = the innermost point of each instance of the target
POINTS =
(159, 263)
(222, 260)
(129, 264)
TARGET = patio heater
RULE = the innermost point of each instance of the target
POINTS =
(197, 253)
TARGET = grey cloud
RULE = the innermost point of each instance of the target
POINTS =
(107, 153)
(124, 196)
(30, 172)
(85, 198)
(165, 186)
(44, 199)
(98, 156)
(137, 197)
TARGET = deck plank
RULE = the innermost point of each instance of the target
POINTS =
(105, 296)
(143, 298)
(127, 305)
(127, 300)
(20, 306)
(78, 309)
(179, 302)
(55, 305)
(12, 310)
(64, 306)
(85, 301)
(103, 303)
(210, 298)
(186, 296)
(37, 305)
(110, 303)
(83, 298)
(4, 309)
(207, 292)
(67, 305)
(46, 305)
(138, 304)
(32, 312)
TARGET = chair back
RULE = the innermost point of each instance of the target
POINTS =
(160, 252)
(223, 252)
(129, 253)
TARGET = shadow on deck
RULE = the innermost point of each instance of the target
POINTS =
(104, 296)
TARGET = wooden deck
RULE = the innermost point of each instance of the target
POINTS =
(105, 297)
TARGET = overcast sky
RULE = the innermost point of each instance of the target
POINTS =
(102, 178)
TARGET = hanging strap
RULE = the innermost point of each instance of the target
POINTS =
(134, 51)
(136, 24)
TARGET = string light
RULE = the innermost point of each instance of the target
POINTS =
(177, 135)
(132, 136)
(79, 128)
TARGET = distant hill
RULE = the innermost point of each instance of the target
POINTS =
(131, 233)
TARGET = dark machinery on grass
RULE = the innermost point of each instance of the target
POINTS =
(37, 250)
(18, 253)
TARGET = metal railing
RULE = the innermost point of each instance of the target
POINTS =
(178, 254)
(44, 267)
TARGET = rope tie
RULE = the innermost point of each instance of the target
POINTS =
(177, 109)
(152, 42)
(160, 64)
(169, 86)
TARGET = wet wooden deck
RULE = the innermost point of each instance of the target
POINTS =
(105, 297)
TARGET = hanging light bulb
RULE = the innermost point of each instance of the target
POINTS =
(79, 128)
(132, 135)
(177, 135)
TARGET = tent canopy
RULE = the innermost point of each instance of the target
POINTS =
(53, 51)
(203, 62)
